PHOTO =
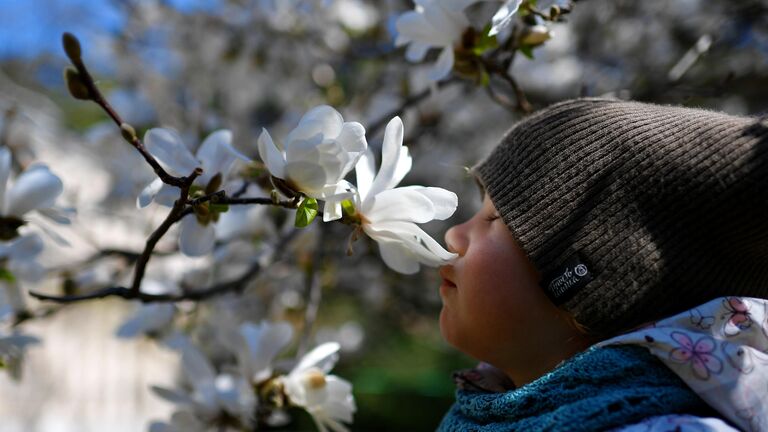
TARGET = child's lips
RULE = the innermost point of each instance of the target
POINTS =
(445, 274)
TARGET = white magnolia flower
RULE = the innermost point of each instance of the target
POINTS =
(212, 396)
(503, 17)
(35, 189)
(327, 398)
(389, 215)
(316, 156)
(433, 24)
(256, 346)
(215, 155)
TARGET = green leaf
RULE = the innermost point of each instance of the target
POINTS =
(527, 51)
(6, 275)
(219, 208)
(348, 207)
(306, 212)
(485, 42)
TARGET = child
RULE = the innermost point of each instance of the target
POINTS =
(615, 275)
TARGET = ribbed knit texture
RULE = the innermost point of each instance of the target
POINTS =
(599, 389)
(668, 205)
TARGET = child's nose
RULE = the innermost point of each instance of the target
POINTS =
(455, 239)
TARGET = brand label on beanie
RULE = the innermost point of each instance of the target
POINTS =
(564, 282)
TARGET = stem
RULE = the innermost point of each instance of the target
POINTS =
(176, 213)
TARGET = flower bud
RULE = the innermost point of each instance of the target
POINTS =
(214, 184)
(71, 47)
(554, 12)
(128, 132)
(75, 84)
(535, 35)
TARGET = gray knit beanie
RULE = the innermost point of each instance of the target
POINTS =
(632, 211)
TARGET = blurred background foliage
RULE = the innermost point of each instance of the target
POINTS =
(198, 66)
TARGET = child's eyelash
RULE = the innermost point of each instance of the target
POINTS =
(492, 217)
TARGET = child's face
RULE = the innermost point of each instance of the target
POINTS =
(493, 307)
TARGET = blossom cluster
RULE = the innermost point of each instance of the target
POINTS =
(311, 164)
(236, 393)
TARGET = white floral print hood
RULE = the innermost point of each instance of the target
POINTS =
(720, 350)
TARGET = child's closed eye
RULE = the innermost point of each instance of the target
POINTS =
(492, 217)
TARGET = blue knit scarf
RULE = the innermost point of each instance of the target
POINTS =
(599, 389)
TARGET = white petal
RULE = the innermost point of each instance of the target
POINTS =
(200, 373)
(320, 121)
(457, 5)
(427, 250)
(416, 51)
(503, 17)
(413, 26)
(35, 188)
(195, 239)
(270, 155)
(333, 196)
(5, 172)
(451, 24)
(341, 404)
(217, 155)
(168, 148)
(390, 154)
(352, 137)
(402, 167)
(61, 215)
(323, 357)
(402, 204)
(147, 195)
(443, 66)
(309, 177)
(172, 395)
(352, 140)
(365, 170)
(398, 257)
(148, 317)
(264, 342)
(28, 270)
(25, 247)
(445, 201)
(167, 195)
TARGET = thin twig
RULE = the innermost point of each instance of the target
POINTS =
(375, 126)
(97, 97)
(235, 285)
(314, 294)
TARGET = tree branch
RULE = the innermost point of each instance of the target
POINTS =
(235, 285)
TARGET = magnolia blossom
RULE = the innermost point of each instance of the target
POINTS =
(35, 189)
(316, 156)
(327, 398)
(211, 397)
(503, 17)
(215, 155)
(256, 346)
(389, 215)
(433, 24)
